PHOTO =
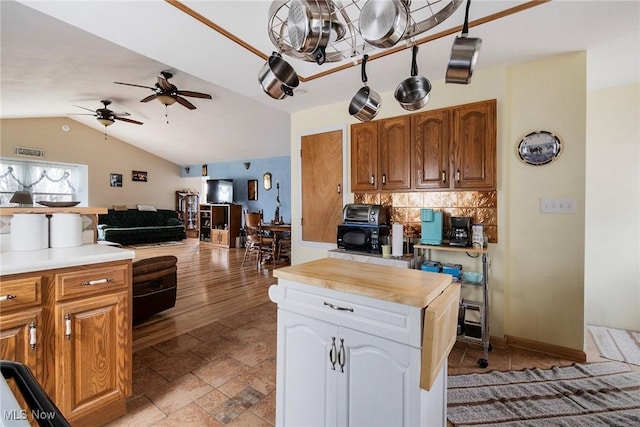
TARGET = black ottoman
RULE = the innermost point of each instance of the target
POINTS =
(154, 286)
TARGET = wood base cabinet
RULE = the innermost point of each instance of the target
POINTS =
(348, 360)
(78, 342)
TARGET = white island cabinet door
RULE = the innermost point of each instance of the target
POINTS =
(306, 384)
(378, 383)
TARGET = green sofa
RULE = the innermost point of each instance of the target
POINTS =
(133, 226)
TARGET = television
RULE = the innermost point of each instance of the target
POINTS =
(219, 191)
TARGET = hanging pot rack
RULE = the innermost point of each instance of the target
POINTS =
(424, 15)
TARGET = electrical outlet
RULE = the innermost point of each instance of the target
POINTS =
(558, 206)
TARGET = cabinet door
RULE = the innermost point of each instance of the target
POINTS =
(364, 156)
(306, 382)
(321, 163)
(377, 384)
(20, 339)
(474, 156)
(92, 353)
(431, 133)
(395, 153)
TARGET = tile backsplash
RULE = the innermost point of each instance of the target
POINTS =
(481, 206)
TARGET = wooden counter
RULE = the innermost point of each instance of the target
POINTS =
(411, 287)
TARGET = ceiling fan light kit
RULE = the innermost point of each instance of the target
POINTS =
(335, 30)
(167, 93)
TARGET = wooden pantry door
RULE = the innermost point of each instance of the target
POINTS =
(322, 186)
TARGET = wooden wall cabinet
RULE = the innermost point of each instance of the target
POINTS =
(381, 155)
(451, 148)
(220, 224)
(80, 349)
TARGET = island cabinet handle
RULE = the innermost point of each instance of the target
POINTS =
(336, 307)
(341, 355)
(67, 326)
(7, 297)
(32, 335)
(332, 353)
(97, 282)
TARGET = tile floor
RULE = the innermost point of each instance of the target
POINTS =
(224, 374)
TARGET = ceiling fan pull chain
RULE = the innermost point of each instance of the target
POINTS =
(166, 112)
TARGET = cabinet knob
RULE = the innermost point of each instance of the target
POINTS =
(372, 180)
(384, 179)
(458, 175)
(444, 176)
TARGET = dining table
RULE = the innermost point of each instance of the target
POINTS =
(276, 229)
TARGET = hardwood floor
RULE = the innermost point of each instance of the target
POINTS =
(212, 284)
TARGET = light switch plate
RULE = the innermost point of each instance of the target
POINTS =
(558, 206)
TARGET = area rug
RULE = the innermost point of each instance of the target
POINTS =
(617, 344)
(594, 394)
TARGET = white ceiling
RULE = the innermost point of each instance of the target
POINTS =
(57, 54)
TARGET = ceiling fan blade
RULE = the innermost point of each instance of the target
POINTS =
(81, 114)
(185, 103)
(148, 98)
(194, 94)
(122, 119)
(84, 108)
(131, 84)
(120, 113)
(164, 83)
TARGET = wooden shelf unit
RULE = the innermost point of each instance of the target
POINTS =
(220, 224)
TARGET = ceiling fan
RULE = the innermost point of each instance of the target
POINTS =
(106, 116)
(167, 93)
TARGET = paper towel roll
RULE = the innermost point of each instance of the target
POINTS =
(397, 240)
(29, 232)
(66, 230)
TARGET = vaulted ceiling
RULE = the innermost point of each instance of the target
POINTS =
(57, 55)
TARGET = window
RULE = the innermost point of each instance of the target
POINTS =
(46, 181)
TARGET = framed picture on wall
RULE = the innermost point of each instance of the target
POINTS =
(115, 180)
(252, 189)
(138, 176)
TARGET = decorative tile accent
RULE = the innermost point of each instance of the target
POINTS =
(481, 206)
(234, 407)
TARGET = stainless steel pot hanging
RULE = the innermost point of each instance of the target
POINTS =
(312, 25)
(384, 22)
(413, 92)
(464, 54)
(365, 104)
(277, 77)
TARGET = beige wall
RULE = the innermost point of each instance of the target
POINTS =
(85, 145)
(612, 259)
(536, 274)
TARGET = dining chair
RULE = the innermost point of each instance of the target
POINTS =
(257, 242)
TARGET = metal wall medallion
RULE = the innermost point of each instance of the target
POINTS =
(539, 148)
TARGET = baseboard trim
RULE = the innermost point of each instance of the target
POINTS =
(551, 349)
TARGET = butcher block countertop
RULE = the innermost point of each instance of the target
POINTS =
(405, 286)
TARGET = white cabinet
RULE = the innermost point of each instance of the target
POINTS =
(332, 375)
(350, 360)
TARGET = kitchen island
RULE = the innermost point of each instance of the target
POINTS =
(66, 314)
(362, 345)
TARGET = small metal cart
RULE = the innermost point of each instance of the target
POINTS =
(418, 254)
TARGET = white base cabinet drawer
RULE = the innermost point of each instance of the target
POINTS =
(397, 322)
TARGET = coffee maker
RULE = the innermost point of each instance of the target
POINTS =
(460, 231)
